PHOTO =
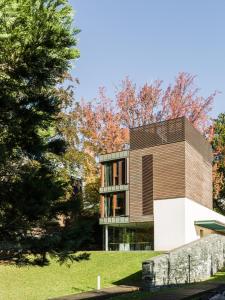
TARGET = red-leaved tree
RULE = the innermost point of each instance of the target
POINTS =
(105, 122)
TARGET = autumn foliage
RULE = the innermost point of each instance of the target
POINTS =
(105, 122)
(217, 139)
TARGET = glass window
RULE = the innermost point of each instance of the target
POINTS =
(108, 205)
(131, 238)
(123, 179)
(108, 174)
(118, 208)
(115, 172)
(121, 204)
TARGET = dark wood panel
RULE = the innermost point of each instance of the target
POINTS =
(147, 184)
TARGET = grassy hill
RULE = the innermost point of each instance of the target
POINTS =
(39, 283)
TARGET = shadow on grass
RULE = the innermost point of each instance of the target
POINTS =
(131, 280)
(40, 260)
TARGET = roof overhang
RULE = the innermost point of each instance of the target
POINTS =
(211, 224)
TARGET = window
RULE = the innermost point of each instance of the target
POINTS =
(115, 204)
(108, 205)
(133, 238)
(121, 204)
(108, 174)
(115, 172)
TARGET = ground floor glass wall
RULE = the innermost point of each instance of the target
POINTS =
(130, 238)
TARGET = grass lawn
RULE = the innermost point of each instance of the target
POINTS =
(218, 277)
(39, 283)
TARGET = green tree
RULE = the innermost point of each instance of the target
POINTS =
(218, 145)
(37, 48)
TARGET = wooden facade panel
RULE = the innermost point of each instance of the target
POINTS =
(168, 170)
(151, 135)
(147, 184)
(198, 177)
(101, 206)
(197, 140)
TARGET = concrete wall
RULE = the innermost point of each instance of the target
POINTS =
(174, 222)
(193, 262)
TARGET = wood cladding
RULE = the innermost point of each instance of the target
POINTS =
(147, 184)
(179, 171)
(102, 175)
(167, 132)
(198, 179)
(114, 173)
(168, 170)
(195, 138)
(101, 206)
(156, 134)
(114, 204)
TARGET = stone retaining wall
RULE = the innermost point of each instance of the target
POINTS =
(193, 262)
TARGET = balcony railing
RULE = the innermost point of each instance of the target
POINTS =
(138, 246)
(113, 188)
(114, 220)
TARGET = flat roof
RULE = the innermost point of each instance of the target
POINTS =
(211, 224)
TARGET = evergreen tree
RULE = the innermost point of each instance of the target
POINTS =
(37, 48)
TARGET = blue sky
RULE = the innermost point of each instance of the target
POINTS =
(148, 40)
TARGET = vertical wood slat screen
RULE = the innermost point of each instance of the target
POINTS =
(147, 184)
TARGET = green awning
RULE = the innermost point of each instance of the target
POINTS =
(211, 224)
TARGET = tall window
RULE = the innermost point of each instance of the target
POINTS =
(115, 204)
(108, 205)
(115, 172)
(121, 171)
(108, 180)
(121, 204)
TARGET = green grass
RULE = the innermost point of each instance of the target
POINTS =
(39, 283)
(218, 277)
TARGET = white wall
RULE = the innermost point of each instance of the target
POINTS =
(174, 222)
(197, 212)
(169, 223)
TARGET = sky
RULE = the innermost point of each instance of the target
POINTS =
(148, 40)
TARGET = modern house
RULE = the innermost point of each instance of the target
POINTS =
(158, 195)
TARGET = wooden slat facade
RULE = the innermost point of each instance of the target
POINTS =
(168, 170)
(198, 179)
(147, 184)
(198, 142)
(166, 132)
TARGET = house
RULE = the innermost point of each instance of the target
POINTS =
(158, 194)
